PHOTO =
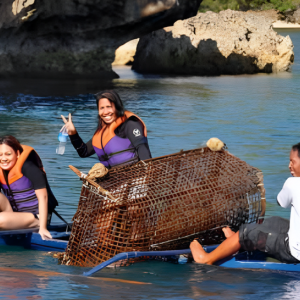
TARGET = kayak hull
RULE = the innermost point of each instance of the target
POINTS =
(257, 260)
(31, 239)
(242, 260)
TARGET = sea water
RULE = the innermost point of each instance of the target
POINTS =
(257, 116)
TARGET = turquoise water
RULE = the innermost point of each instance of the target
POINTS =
(257, 116)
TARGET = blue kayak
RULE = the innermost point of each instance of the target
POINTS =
(30, 238)
(242, 260)
(255, 260)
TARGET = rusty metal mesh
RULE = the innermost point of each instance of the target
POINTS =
(164, 203)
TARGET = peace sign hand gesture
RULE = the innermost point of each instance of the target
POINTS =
(69, 126)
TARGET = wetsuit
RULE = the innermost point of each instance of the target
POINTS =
(20, 183)
(126, 143)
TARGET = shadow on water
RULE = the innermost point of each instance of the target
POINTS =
(205, 59)
(53, 87)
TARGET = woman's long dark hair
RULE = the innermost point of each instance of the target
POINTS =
(113, 97)
(12, 142)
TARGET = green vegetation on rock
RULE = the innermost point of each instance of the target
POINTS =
(218, 5)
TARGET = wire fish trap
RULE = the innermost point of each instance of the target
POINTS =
(162, 204)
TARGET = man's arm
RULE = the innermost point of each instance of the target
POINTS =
(284, 197)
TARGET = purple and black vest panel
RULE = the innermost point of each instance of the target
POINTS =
(23, 198)
(111, 149)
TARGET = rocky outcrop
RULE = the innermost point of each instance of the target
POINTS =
(270, 15)
(284, 24)
(124, 55)
(230, 42)
(288, 16)
(294, 17)
(72, 38)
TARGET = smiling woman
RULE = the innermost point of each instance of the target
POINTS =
(26, 192)
(120, 138)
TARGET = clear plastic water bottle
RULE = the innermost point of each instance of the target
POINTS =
(63, 137)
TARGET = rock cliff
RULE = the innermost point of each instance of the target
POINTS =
(293, 16)
(230, 42)
(77, 38)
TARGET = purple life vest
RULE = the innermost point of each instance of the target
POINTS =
(20, 192)
(22, 196)
(113, 150)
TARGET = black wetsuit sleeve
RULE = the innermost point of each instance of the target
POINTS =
(83, 149)
(135, 133)
(35, 175)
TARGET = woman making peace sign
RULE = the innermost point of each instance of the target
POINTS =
(120, 138)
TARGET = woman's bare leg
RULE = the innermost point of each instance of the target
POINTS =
(4, 204)
(17, 220)
(10, 220)
(227, 248)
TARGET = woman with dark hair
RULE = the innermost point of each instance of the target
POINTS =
(26, 200)
(120, 138)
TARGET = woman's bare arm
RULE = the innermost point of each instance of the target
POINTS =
(42, 196)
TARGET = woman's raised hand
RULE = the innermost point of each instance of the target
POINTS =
(69, 126)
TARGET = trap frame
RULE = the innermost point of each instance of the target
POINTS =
(162, 204)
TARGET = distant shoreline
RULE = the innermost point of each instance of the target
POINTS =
(283, 24)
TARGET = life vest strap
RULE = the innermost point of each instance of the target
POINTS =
(69, 226)
(106, 157)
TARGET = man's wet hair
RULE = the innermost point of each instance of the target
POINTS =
(297, 148)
